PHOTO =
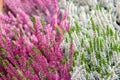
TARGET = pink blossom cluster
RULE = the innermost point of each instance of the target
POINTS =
(44, 8)
(29, 49)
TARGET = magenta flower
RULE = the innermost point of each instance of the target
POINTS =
(44, 8)
(32, 50)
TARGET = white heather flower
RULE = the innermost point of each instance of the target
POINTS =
(103, 14)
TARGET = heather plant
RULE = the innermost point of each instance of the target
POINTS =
(30, 47)
(96, 38)
(96, 54)
(32, 51)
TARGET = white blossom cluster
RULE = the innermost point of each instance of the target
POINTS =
(95, 32)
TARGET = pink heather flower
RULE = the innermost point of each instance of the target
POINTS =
(29, 49)
(44, 8)
(34, 39)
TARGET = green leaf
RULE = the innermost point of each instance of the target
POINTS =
(31, 70)
(91, 46)
(98, 69)
(1, 74)
(119, 49)
(93, 24)
(82, 42)
(76, 54)
(111, 32)
(103, 61)
(110, 53)
(87, 68)
(74, 63)
(66, 40)
(95, 43)
(115, 47)
(98, 56)
(1, 60)
(21, 32)
(104, 34)
(89, 50)
(5, 63)
(35, 49)
(98, 47)
(83, 60)
(108, 32)
(14, 78)
(101, 44)
(116, 35)
(1, 49)
(77, 27)
(98, 30)
(99, 7)
(42, 22)
(63, 61)
(70, 33)
(20, 73)
(50, 46)
(91, 66)
(15, 32)
(33, 19)
(71, 69)
(118, 65)
(86, 77)
(17, 57)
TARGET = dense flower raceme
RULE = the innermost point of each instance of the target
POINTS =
(31, 49)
